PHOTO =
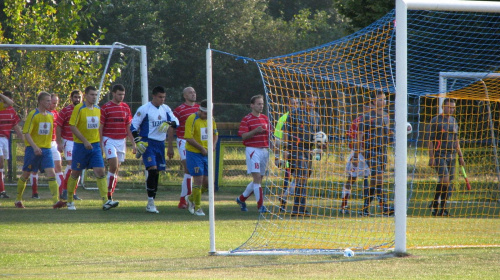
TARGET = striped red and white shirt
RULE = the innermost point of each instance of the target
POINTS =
(251, 122)
(115, 119)
(182, 113)
(8, 119)
(63, 122)
(56, 116)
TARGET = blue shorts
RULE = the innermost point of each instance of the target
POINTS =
(155, 155)
(197, 164)
(34, 163)
(86, 159)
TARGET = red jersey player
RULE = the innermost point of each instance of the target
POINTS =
(114, 129)
(182, 112)
(8, 120)
(64, 139)
(254, 130)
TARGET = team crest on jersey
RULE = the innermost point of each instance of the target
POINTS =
(138, 114)
(150, 159)
(159, 117)
(44, 125)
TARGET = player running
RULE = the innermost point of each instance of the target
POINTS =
(38, 130)
(149, 126)
(182, 112)
(114, 129)
(64, 139)
(87, 153)
(254, 130)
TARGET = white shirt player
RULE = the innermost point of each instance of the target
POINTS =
(148, 119)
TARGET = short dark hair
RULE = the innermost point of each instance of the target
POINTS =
(117, 87)
(75, 92)
(204, 103)
(8, 94)
(158, 89)
(89, 88)
(255, 97)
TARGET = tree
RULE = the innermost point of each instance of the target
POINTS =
(362, 13)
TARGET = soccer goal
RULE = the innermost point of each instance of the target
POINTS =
(398, 58)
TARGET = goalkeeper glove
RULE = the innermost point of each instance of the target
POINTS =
(141, 146)
(163, 127)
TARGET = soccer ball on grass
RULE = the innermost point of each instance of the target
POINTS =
(348, 253)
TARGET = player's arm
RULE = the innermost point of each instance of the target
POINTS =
(101, 138)
(131, 139)
(59, 139)
(459, 152)
(252, 133)
(170, 140)
(32, 143)
(80, 136)
(430, 144)
(197, 145)
(19, 132)
(7, 101)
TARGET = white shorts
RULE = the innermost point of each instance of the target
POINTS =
(257, 160)
(55, 153)
(68, 149)
(360, 170)
(114, 148)
(4, 148)
(181, 147)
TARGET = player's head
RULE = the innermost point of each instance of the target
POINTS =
(310, 100)
(54, 101)
(159, 95)
(378, 100)
(293, 103)
(449, 106)
(189, 94)
(257, 103)
(75, 97)
(203, 109)
(118, 93)
(91, 95)
(44, 100)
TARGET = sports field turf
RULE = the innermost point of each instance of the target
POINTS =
(127, 243)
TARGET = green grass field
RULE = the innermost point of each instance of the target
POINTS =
(127, 243)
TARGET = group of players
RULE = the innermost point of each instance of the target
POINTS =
(370, 135)
(83, 131)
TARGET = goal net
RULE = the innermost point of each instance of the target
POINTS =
(335, 206)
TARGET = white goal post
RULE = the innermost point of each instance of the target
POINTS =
(94, 48)
(402, 6)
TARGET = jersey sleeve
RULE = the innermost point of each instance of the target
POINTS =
(243, 127)
(188, 132)
(28, 125)
(214, 126)
(170, 116)
(139, 116)
(73, 120)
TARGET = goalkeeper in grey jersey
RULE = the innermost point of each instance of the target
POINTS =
(443, 146)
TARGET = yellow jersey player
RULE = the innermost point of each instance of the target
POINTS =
(38, 155)
(87, 153)
(196, 135)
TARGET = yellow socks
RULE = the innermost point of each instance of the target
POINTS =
(21, 185)
(54, 189)
(102, 185)
(71, 188)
